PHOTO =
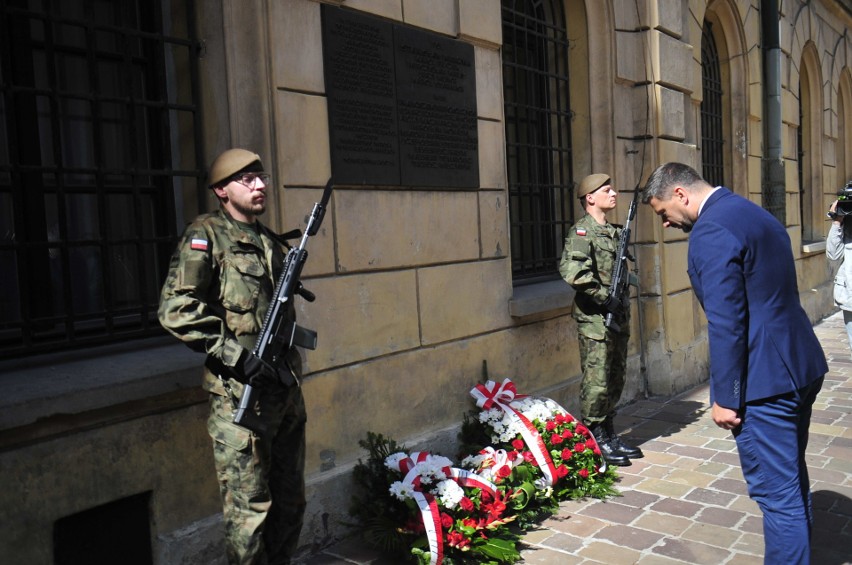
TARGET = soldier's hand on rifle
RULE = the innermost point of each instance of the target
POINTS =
(614, 305)
(255, 371)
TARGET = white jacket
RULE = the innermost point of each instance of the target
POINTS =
(838, 245)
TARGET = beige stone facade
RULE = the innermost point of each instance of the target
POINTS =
(414, 286)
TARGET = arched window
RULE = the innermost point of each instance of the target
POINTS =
(712, 134)
(809, 150)
(844, 131)
(802, 139)
(538, 135)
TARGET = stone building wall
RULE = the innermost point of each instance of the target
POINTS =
(414, 286)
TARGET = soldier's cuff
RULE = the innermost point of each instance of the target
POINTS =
(231, 353)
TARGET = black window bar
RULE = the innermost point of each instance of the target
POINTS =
(99, 138)
(712, 135)
(538, 135)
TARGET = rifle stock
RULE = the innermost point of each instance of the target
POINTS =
(278, 335)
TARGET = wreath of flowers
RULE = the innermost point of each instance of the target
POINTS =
(524, 456)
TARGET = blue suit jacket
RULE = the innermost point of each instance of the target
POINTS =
(741, 267)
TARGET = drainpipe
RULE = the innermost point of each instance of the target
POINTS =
(774, 189)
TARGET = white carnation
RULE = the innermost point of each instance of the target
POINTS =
(401, 491)
(450, 493)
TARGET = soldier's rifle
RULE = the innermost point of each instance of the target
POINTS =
(278, 334)
(619, 288)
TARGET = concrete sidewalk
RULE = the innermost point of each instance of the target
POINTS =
(686, 501)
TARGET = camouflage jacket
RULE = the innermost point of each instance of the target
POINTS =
(588, 260)
(218, 290)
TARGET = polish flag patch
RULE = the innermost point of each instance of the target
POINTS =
(581, 231)
(200, 244)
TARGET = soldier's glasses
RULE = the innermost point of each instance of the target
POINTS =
(248, 179)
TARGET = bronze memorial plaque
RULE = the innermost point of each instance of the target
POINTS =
(401, 104)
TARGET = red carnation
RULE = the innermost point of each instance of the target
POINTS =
(528, 456)
(566, 454)
(504, 471)
(580, 447)
(446, 521)
(556, 439)
(584, 473)
(518, 444)
(567, 433)
(466, 504)
(550, 425)
(561, 471)
(581, 429)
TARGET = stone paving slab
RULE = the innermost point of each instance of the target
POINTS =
(686, 501)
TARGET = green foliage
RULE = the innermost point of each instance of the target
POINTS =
(379, 515)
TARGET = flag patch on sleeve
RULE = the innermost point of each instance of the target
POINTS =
(200, 244)
(581, 231)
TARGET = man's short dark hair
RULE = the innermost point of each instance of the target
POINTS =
(665, 177)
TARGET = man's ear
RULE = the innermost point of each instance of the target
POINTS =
(681, 194)
(220, 192)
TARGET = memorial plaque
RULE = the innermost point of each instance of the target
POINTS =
(401, 101)
(359, 81)
(436, 107)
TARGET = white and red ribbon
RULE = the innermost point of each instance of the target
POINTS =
(490, 395)
(426, 503)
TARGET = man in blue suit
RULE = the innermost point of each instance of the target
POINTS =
(766, 364)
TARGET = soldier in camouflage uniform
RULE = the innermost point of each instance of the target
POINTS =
(220, 282)
(588, 260)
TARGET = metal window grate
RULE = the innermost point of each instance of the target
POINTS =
(97, 137)
(538, 135)
(712, 135)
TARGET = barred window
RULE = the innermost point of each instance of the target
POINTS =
(99, 134)
(712, 135)
(538, 135)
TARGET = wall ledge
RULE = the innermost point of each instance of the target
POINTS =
(84, 381)
(539, 299)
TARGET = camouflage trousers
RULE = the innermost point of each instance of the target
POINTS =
(261, 479)
(604, 364)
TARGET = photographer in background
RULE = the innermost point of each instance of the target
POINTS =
(838, 245)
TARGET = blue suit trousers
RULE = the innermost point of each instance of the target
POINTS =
(771, 442)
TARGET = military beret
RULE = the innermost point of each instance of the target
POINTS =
(231, 162)
(591, 183)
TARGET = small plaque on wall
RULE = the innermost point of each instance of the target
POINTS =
(401, 103)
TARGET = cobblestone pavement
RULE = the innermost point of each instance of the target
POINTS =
(686, 501)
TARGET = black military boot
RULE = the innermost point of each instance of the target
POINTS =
(618, 445)
(609, 453)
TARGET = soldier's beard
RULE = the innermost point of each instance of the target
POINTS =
(250, 210)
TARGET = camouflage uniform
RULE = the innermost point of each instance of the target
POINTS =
(215, 298)
(588, 260)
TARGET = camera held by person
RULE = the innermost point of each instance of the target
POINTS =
(843, 206)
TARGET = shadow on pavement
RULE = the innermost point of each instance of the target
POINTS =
(650, 420)
(831, 542)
